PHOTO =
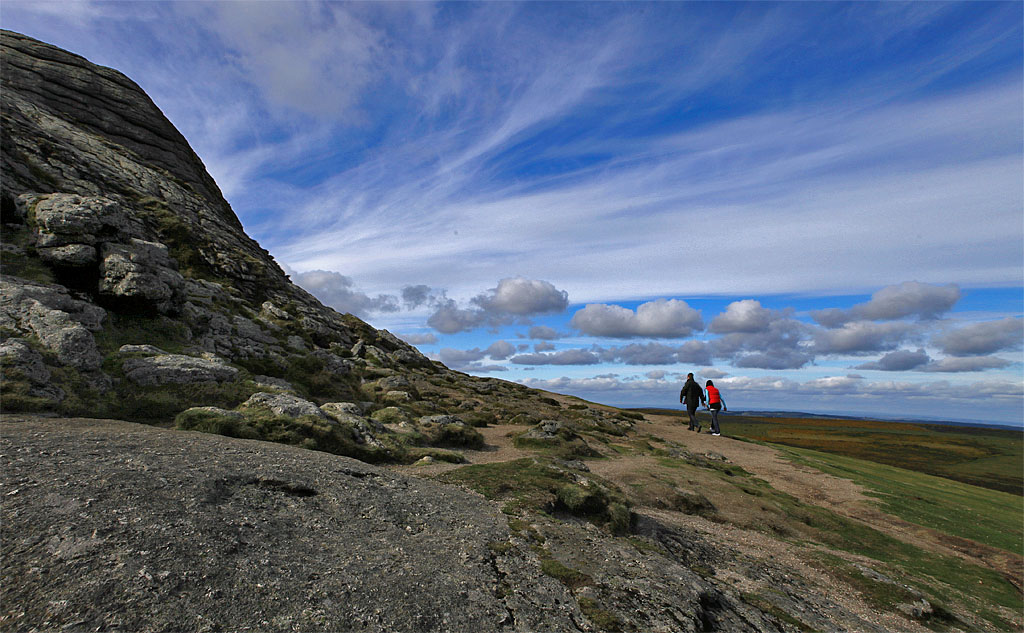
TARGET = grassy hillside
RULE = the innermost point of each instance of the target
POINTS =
(990, 458)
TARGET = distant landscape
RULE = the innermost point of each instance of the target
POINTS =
(980, 456)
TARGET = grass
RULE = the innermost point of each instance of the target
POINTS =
(535, 485)
(989, 458)
(980, 514)
(945, 580)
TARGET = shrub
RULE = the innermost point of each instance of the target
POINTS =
(216, 423)
(453, 435)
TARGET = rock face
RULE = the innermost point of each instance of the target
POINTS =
(114, 234)
(171, 528)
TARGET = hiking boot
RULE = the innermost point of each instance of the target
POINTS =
(699, 427)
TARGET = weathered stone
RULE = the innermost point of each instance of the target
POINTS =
(334, 363)
(18, 356)
(140, 270)
(63, 219)
(397, 396)
(150, 350)
(269, 382)
(268, 309)
(73, 344)
(284, 404)
(15, 292)
(442, 420)
(177, 369)
(342, 408)
(71, 256)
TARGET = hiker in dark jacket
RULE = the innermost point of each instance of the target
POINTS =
(692, 396)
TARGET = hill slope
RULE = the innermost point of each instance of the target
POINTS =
(129, 290)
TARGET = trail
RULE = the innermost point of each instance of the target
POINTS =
(811, 486)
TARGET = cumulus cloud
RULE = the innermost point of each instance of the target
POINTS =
(564, 357)
(742, 316)
(544, 333)
(421, 295)
(782, 345)
(967, 363)
(910, 298)
(521, 296)
(450, 319)
(513, 299)
(500, 350)
(662, 318)
(543, 346)
(983, 338)
(419, 339)
(776, 359)
(657, 374)
(339, 292)
(863, 336)
(713, 374)
(900, 360)
(695, 352)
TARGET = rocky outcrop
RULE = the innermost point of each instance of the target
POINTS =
(177, 369)
(171, 528)
(108, 211)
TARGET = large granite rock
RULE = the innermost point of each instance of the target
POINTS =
(62, 324)
(177, 369)
(134, 528)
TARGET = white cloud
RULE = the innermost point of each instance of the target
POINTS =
(500, 350)
(983, 338)
(909, 298)
(419, 339)
(544, 332)
(564, 357)
(742, 316)
(662, 318)
(520, 296)
(514, 298)
(339, 292)
(450, 319)
(863, 336)
(967, 363)
(900, 360)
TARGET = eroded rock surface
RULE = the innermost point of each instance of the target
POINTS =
(111, 525)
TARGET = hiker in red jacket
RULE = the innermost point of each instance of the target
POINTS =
(716, 404)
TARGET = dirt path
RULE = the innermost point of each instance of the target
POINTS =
(842, 496)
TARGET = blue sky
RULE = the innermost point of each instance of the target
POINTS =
(817, 205)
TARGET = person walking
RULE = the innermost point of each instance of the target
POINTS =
(692, 396)
(716, 404)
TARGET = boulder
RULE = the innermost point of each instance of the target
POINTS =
(284, 404)
(177, 369)
(72, 342)
(269, 382)
(140, 271)
(65, 219)
(70, 256)
(334, 409)
(148, 350)
(18, 360)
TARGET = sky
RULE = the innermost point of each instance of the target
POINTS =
(816, 205)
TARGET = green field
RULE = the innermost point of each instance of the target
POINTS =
(990, 458)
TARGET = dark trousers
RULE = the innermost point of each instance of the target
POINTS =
(690, 411)
(714, 418)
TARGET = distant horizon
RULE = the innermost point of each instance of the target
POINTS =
(847, 414)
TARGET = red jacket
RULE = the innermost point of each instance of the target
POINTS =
(713, 395)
